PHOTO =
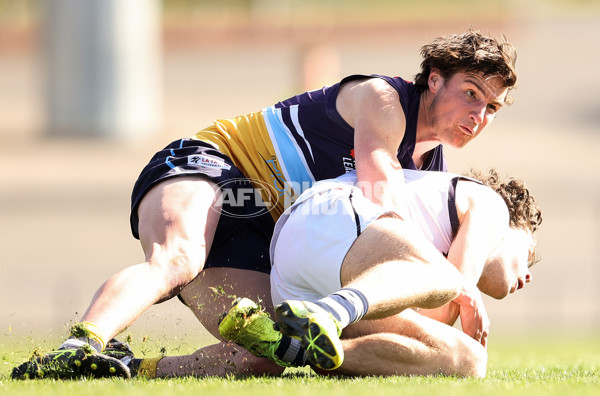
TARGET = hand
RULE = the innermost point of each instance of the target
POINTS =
(473, 316)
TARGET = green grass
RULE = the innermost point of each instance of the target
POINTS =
(517, 366)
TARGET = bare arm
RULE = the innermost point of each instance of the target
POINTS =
(483, 219)
(372, 107)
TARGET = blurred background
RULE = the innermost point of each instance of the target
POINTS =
(90, 90)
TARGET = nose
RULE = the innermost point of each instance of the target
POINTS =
(528, 278)
(478, 114)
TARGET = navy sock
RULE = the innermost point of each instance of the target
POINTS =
(290, 351)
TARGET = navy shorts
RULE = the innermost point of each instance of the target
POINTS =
(245, 227)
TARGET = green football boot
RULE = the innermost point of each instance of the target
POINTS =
(251, 328)
(318, 331)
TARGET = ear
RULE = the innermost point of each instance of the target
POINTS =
(435, 80)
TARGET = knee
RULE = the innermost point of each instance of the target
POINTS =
(185, 267)
(446, 282)
(474, 362)
(178, 266)
(451, 280)
(468, 359)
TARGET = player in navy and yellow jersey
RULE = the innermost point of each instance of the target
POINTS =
(204, 207)
(303, 139)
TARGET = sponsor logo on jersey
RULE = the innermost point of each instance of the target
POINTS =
(207, 162)
(348, 162)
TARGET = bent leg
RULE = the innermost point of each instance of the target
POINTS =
(410, 344)
(213, 291)
(209, 295)
(395, 267)
(389, 267)
(178, 218)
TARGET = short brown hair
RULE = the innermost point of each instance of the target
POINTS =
(468, 52)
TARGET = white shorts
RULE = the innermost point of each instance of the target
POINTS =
(313, 236)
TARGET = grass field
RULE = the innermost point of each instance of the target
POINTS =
(518, 366)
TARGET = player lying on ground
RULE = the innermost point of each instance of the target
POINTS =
(353, 260)
(376, 124)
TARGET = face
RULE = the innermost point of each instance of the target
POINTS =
(463, 105)
(507, 269)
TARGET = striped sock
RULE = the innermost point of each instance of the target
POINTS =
(290, 351)
(346, 305)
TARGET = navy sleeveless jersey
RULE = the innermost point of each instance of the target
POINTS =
(327, 141)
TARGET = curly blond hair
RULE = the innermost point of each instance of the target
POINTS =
(524, 212)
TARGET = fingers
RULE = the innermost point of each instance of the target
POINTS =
(481, 336)
(484, 339)
(474, 319)
(482, 332)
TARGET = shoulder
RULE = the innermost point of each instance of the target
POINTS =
(481, 201)
(367, 98)
(372, 85)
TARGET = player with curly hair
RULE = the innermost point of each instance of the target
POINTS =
(341, 262)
